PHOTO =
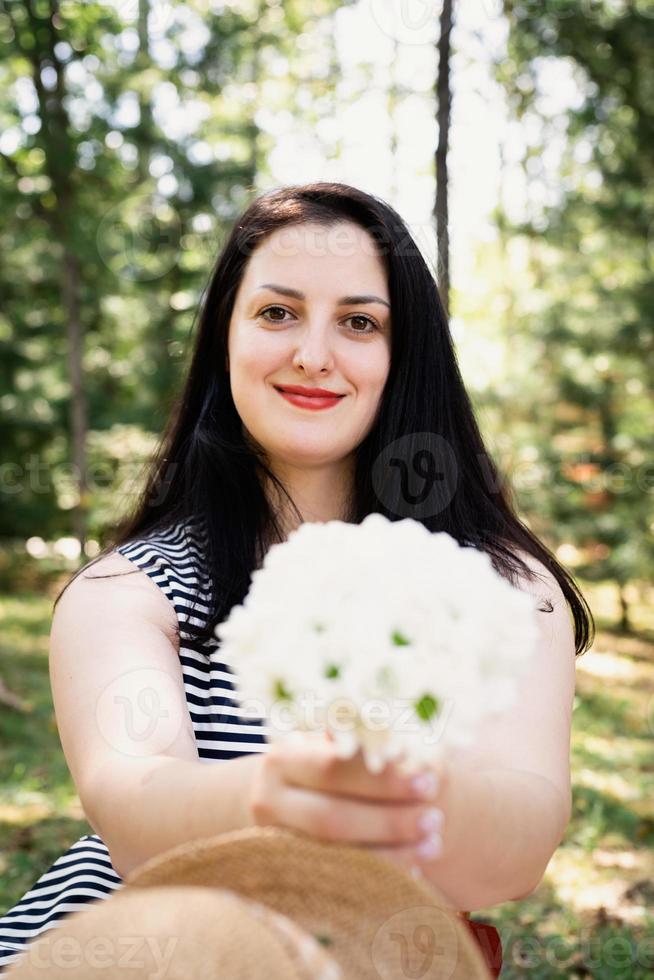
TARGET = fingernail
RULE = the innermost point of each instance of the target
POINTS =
(431, 847)
(425, 784)
(431, 820)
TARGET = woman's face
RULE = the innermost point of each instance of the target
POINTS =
(332, 333)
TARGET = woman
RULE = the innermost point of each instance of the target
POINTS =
(321, 287)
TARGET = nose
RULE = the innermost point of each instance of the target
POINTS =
(313, 352)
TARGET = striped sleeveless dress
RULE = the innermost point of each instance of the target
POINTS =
(174, 561)
(84, 873)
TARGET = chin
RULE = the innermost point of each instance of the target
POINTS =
(298, 453)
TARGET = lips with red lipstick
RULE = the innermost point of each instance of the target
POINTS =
(308, 392)
(309, 398)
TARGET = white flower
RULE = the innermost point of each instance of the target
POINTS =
(393, 639)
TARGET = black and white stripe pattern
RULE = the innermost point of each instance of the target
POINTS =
(83, 874)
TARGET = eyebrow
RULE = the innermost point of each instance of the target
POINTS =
(343, 301)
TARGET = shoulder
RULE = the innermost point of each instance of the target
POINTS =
(113, 586)
(175, 560)
(540, 581)
(553, 611)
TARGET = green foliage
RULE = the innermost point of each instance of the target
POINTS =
(129, 145)
(584, 301)
(20, 572)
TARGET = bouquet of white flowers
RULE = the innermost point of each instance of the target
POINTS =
(384, 635)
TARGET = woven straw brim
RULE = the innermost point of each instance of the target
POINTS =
(175, 933)
(374, 917)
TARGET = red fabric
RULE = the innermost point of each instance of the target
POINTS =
(489, 942)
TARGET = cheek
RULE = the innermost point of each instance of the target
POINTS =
(255, 355)
(373, 371)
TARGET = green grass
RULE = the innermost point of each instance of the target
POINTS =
(40, 815)
(590, 917)
(592, 914)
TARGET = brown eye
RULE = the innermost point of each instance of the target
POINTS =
(365, 319)
(269, 308)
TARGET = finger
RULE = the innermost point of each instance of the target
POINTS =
(316, 765)
(409, 857)
(350, 821)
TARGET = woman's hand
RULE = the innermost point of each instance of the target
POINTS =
(307, 787)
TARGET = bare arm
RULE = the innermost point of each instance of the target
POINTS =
(124, 723)
(507, 800)
(502, 827)
(148, 806)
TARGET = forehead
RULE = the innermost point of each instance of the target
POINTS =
(324, 258)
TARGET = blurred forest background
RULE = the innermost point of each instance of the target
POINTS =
(133, 133)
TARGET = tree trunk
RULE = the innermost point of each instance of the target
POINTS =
(443, 107)
(70, 290)
(60, 162)
(625, 623)
(146, 119)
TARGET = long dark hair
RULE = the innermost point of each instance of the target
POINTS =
(205, 472)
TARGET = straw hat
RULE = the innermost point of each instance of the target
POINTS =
(262, 903)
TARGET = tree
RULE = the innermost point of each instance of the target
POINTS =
(590, 273)
(443, 103)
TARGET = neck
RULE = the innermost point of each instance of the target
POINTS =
(320, 493)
